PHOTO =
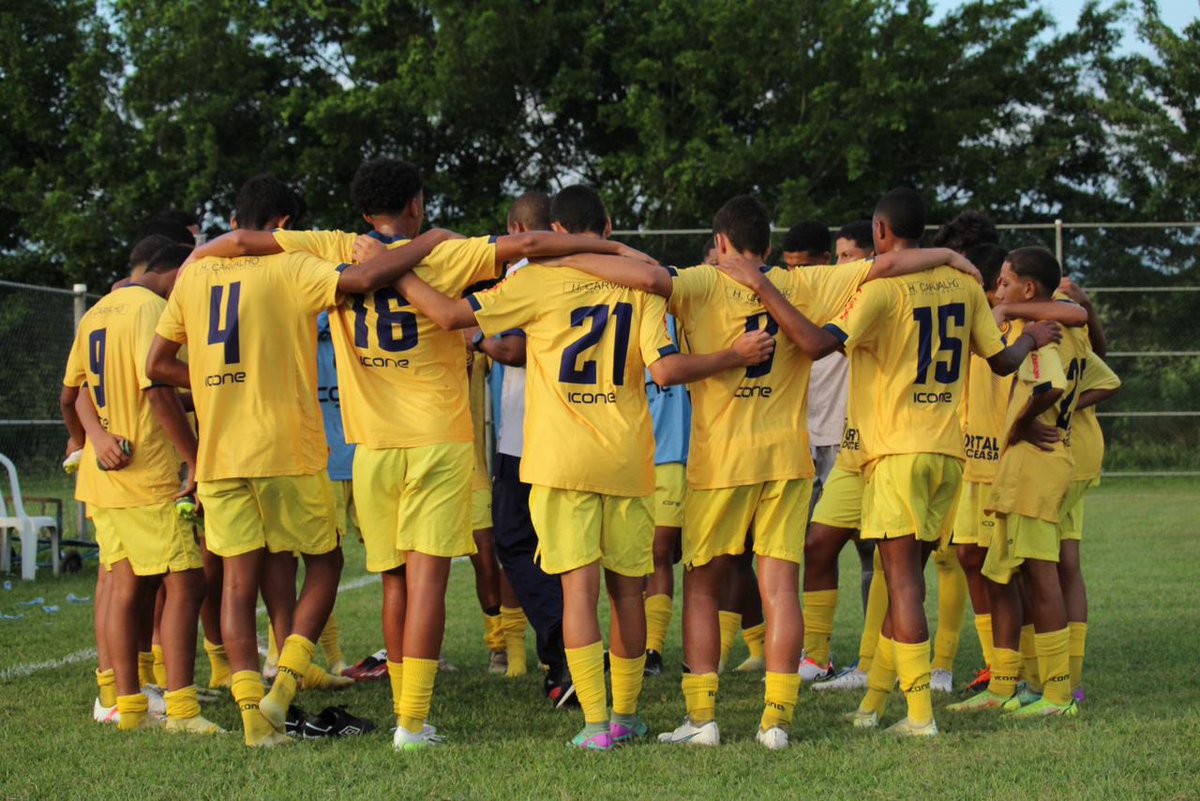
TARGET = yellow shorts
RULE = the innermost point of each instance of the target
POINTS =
(153, 538)
(670, 490)
(481, 509)
(1070, 519)
(279, 513)
(414, 499)
(577, 528)
(1019, 538)
(911, 493)
(973, 525)
(715, 521)
(840, 504)
(345, 513)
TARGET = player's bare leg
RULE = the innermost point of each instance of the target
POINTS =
(239, 599)
(585, 652)
(779, 588)
(210, 617)
(181, 612)
(660, 594)
(106, 692)
(822, 546)
(1049, 615)
(487, 592)
(903, 564)
(627, 652)
(702, 591)
(279, 593)
(1070, 576)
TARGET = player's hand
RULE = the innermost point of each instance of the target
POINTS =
(754, 347)
(72, 446)
(1074, 292)
(1040, 435)
(633, 253)
(742, 269)
(365, 247)
(1044, 332)
(964, 265)
(110, 453)
(189, 484)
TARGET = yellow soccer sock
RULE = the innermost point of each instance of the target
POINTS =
(819, 606)
(587, 671)
(160, 666)
(700, 696)
(493, 632)
(317, 678)
(145, 668)
(1054, 664)
(1029, 661)
(983, 627)
(755, 637)
(626, 677)
(1076, 647)
(877, 606)
(513, 622)
(731, 623)
(331, 646)
(1005, 668)
(182, 704)
(952, 608)
(220, 673)
(881, 678)
(396, 678)
(106, 687)
(658, 619)
(912, 668)
(294, 662)
(416, 694)
(247, 689)
(779, 700)
(133, 710)
(272, 648)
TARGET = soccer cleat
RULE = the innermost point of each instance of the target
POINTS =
(597, 741)
(207, 695)
(1025, 696)
(404, 740)
(906, 728)
(981, 701)
(653, 664)
(862, 719)
(197, 725)
(372, 668)
(753, 664)
(773, 739)
(334, 721)
(690, 734)
(444, 665)
(1078, 696)
(811, 671)
(158, 705)
(293, 725)
(941, 681)
(1042, 709)
(105, 714)
(850, 678)
(498, 662)
(561, 691)
(982, 679)
(622, 733)
(338, 667)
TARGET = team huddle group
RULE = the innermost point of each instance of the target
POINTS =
(309, 383)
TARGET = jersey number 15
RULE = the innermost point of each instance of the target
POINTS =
(950, 318)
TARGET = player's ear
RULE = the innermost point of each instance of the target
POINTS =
(767, 255)
(557, 228)
(607, 227)
(233, 224)
(370, 220)
(284, 222)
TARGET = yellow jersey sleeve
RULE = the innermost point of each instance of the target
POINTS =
(861, 317)
(147, 321)
(454, 265)
(331, 246)
(822, 292)
(170, 322)
(985, 334)
(315, 285)
(689, 288)
(510, 304)
(1043, 369)
(74, 375)
(653, 336)
(1097, 374)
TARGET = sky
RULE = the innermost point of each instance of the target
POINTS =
(1175, 13)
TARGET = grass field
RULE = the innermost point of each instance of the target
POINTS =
(1138, 736)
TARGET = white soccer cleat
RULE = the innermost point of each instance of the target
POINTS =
(773, 739)
(850, 678)
(158, 704)
(811, 671)
(105, 714)
(404, 740)
(941, 681)
(690, 734)
(863, 720)
(906, 728)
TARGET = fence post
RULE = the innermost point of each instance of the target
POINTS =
(1058, 242)
(80, 293)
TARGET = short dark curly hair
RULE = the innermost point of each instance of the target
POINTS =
(264, 198)
(385, 186)
(970, 228)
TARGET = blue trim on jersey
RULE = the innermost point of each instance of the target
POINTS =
(667, 350)
(841, 335)
(385, 239)
(492, 239)
(1041, 388)
(342, 268)
(672, 271)
(475, 304)
(512, 332)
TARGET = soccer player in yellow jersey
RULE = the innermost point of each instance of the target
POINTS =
(587, 343)
(250, 328)
(142, 540)
(749, 459)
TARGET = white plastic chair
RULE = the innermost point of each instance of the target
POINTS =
(28, 528)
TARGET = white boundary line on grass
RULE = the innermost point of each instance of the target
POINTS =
(23, 671)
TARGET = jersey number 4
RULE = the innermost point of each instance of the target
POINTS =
(950, 318)
(226, 334)
(570, 370)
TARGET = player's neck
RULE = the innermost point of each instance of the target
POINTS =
(396, 227)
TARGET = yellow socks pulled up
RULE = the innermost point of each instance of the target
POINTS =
(331, 646)
(272, 649)
(952, 607)
(626, 676)
(1077, 633)
(160, 666)
(658, 619)
(587, 671)
(182, 703)
(912, 668)
(220, 674)
(1029, 660)
(493, 632)
(730, 623)
(145, 668)
(416, 692)
(779, 700)
(881, 677)
(513, 623)
(877, 606)
(819, 607)
(248, 693)
(755, 637)
(983, 627)
(700, 696)
(1054, 663)
(106, 687)
(1005, 669)
(294, 662)
(396, 678)
(134, 710)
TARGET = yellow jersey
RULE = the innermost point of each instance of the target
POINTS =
(250, 325)
(751, 424)
(1087, 440)
(914, 334)
(480, 479)
(402, 379)
(587, 421)
(850, 455)
(109, 356)
(984, 413)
